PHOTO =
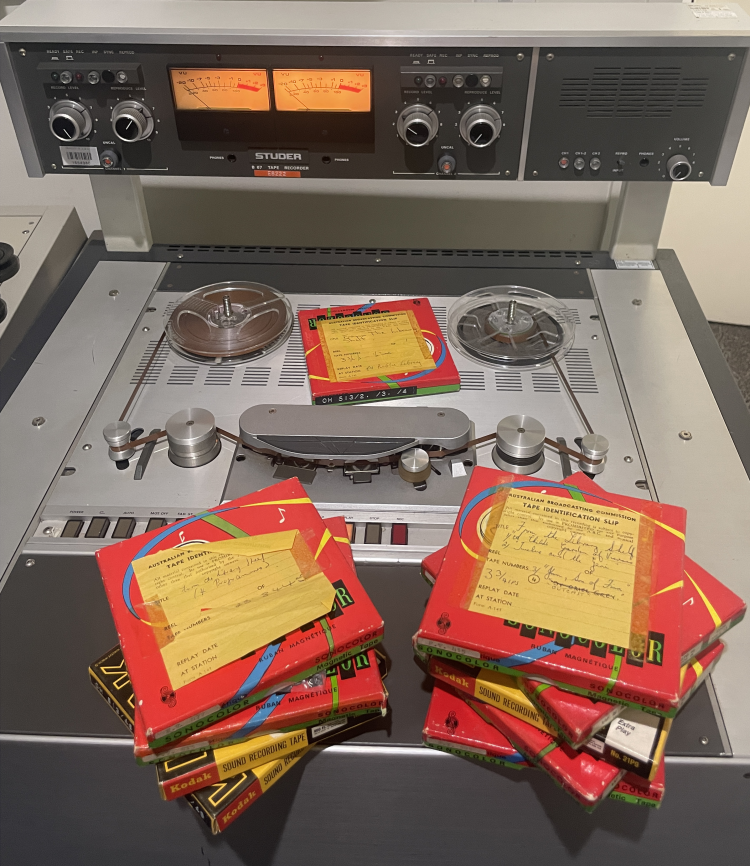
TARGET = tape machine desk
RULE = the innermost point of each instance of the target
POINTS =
(161, 380)
(55, 723)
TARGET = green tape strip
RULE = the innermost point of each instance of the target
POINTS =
(327, 631)
(224, 525)
(546, 750)
(334, 693)
(613, 676)
(540, 688)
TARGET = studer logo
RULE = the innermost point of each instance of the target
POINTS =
(284, 156)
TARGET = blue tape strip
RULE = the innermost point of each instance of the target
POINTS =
(257, 673)
(263, 713)
(531, 655)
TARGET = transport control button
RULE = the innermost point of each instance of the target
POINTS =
(124, 527)
(156, 523)
(373, 533)
(98, 527)
(72, 528)
(399, 533)
(351, 531)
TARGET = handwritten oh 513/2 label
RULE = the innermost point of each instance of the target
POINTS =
(561, 565)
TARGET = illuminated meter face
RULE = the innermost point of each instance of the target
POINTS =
(322, 89)
(220, 89)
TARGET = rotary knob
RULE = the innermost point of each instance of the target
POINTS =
(679, 167)
(417, 125)
(69, 120)
(132, 121)
(480, 125)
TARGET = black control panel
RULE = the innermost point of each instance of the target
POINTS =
(631, 114)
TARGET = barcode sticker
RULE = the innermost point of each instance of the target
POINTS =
(81, 156)
(713, 12)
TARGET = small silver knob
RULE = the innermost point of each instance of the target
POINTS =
(417, 125)
(118, 433)
(69, 120)
(594, 446)
(132, 121)
(414, 465)
(480, 125)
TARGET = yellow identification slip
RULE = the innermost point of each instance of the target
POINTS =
(382, 344)
(561, 565)
(211, 604)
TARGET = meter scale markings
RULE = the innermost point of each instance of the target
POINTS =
(220, 89)
(322, 90)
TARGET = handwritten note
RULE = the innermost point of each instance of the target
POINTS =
(383, 344)
(561, 565)
(210, 604)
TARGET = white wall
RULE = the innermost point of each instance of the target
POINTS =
(709, 227)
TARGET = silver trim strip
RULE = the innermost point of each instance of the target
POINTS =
(55, 740)
(18, 115)
(731, 138)
(527, 116)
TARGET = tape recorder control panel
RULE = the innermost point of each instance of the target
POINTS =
(526, 113)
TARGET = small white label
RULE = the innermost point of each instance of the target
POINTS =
(713, 12)
(326, 728)
(634, 732)
(595, 745)
(634, 265)
(458, 470)
(423, 641)
(81, 156)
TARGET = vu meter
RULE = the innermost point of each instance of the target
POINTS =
(220, 89)
(321, 89)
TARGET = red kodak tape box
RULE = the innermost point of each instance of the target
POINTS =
(349, 349)
(172, 711)
(452, 726)
(453, 628)
(585, 778)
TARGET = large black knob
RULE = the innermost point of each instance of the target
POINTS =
(678, 167)
(9, 267)
(132, 121)
(480, 125)
(417, 125)
(69, 120)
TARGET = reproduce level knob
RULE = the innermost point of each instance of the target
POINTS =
(69, 120)
(132, 121)
(417, 125)
(480, 125)
(678, 167)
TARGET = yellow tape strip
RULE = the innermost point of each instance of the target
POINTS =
(323, 541)
(677, 585)
(709, 607)
(303, 500)
(697, 667)
(341, 540)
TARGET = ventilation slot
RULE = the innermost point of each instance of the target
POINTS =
(508, 381)
(633, 91)
(471, 380)
(575, 315)
(155, 369)
(441, 315)
(257, 376)
(545, 382)
(219, 376)
(580, 373)
(182, 374)
(170, 308)
(294, 369)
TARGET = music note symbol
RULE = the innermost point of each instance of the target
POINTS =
(182, 536)
(283, 516)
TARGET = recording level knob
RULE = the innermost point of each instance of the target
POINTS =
(417, 125)
(132, 121)
(480, 125)
(678, 167)
(69, 120)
